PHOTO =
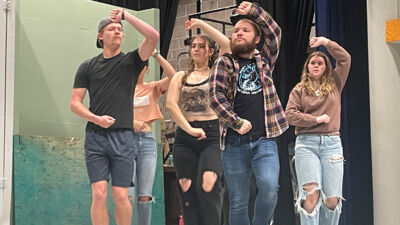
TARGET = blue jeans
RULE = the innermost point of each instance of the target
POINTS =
(146, 162)
(319, 160)
(243, 155)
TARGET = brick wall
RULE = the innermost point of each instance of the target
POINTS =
(185, 8)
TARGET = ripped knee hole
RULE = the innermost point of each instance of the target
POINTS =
(145, 198)
(209, 179)
(185, 183)
(336, 158)
(310, 188)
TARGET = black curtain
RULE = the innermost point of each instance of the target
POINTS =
(346, 23)
(168, 10)
(295, 19)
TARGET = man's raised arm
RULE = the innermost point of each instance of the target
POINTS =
(150, 34)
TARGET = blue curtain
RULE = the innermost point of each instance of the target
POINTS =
(345, 22)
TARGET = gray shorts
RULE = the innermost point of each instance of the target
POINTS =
(110, 152)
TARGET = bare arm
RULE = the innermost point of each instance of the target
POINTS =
(76, 106)
(173, 107)
(216, 35)
(167, 68)
(172, 102)
(150, 34)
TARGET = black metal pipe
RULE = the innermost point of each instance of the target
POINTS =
(215, 21)
(198, 10)
(211, 11)
(199, 14)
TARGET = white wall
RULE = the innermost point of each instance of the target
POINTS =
(385, 113)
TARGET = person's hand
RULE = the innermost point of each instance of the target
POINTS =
(323, 119)
(154, 52)
(116, 15)
(138, 125)
(318, 41)
(105, 121)
(246, 127)
(197, 132)
(193, 24)
(244, 8)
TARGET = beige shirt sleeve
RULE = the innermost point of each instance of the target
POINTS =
(343, 61)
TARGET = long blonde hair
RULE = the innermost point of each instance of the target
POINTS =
(213, 57)
(327, 82)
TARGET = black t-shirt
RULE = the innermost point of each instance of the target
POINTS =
(249, 100)
(111, 83)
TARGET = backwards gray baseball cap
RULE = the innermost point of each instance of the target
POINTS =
(104, 22)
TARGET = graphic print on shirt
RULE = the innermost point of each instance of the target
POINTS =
(141, 101)
(195, 101)
(249, 81)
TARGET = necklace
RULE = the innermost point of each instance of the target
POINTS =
(316, 92)
(200, 75)
(202, 69)
(195, 75)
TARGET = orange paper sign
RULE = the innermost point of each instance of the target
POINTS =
(393, 30)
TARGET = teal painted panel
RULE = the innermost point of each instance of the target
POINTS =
(50, 181)
(158, 213)
(51, 185)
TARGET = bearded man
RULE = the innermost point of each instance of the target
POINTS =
(243, 95)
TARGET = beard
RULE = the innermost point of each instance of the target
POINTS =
(244, 48)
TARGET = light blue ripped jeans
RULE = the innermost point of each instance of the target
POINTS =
(319, 160)
(146, 162)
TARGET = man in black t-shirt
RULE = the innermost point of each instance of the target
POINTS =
(110, 79)
(243, 95)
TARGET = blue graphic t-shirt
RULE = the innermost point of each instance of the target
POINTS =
(249, 101)
(249, 81)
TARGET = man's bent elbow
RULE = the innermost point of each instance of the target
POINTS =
(73, 105)
(154, 37)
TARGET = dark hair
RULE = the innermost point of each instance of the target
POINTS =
(213, 57)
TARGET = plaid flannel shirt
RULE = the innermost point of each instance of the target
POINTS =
(223, 81)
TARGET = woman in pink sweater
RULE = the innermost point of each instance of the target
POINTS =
(314, 109)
